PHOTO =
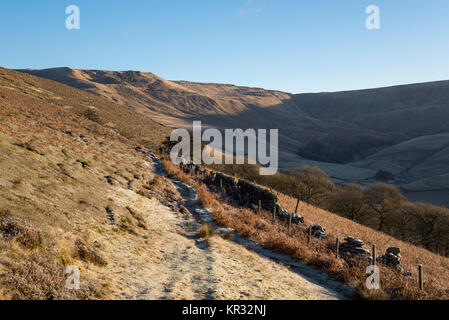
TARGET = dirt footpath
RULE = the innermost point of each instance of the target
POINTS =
(173, 263)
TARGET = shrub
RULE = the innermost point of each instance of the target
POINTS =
(36, 278)
(384, 200)
(92, 115)
(87, 254)
(206, 231)
(140, 220)
(18, 229)
(349, 201)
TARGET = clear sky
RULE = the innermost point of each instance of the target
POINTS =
(291, 45)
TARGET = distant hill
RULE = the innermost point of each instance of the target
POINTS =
(351, 134)
(166, 101)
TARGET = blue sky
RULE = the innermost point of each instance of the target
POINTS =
(291, 45)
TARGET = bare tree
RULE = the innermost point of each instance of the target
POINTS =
(349, 201)
(384, 200)
(313, 185)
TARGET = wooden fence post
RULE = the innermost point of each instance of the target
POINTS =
(260, 206)
(309, 237)
(374, 254)
(297, 205)
(290, 221)
(337, 250)
(274, 214)
(420, 271)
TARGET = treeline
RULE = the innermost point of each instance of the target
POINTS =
(380, 206)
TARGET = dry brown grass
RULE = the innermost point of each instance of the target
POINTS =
(161, 189)
(138, 217)
(206, 231)
(87, 254)
(274, 235)
(14, 228)
(39, 278)
(54, 163)
(119, 118)
(436, 267)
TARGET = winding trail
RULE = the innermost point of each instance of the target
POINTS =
(179, 265)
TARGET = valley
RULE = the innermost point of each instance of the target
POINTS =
(74, 191)
(351, 135)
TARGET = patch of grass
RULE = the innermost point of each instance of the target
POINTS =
(36, 278)
(206, 231)
(124, 219)
(87, 254)
(92, 115)
(140, 221)
(17, 183)
(64, 258)
(14, 228)
(373, 294)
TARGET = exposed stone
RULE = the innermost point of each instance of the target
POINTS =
(224, 232)
(392, 258)
(394, 250)
(354, 246)
(254, 193)
(284, 215)
(317, 231)
(354, 241)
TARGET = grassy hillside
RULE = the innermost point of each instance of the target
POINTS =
(169, 102)
(260, 228)
(113, 115)
(350, 135)
(61, 175)
(74, 191)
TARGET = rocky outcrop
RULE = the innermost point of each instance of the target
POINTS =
(254, 193)
(284, 215)
(317, 231)
(247, 193)
(354, 246)
(392, 258)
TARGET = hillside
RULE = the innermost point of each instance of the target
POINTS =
(350, 135)
(269, 230)
(74, 191)
(171, 103)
